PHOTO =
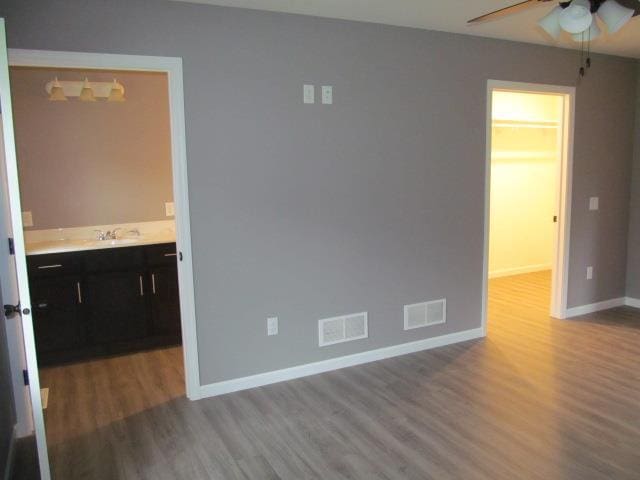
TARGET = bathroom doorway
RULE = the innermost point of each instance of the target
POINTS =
(128, 241)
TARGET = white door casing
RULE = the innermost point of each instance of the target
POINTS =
(12, 188)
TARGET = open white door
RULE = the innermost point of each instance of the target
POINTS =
(17, 293)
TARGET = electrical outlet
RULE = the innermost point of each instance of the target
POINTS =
(589, 273)
(27, 219)
(272, 326)
(594, 203)
(169, 209)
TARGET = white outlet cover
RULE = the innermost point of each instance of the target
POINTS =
(327, 94)
(27, 219)
(594, 203)
(169, 209)
(589, 273)
(272, 326)
(309, 93)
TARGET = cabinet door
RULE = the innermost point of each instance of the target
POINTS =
(56, 320)
(165, 301)
(116, 306)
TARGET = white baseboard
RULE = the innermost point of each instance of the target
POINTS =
(11, 454)
(632, 302)
(507, 272)
(243, 383)
(595, 307)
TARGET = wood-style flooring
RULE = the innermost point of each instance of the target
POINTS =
(538, 399)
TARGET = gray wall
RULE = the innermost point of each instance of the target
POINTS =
(633, 256)
(309, 211)
(7, 410)
(92, 163)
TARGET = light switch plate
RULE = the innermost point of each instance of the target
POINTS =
(594, 203)
(309, 93)
(169, 209)
(272, 326)
(327, 94)
(27, 219)
(589, 273)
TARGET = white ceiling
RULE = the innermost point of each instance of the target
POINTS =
(447, 16)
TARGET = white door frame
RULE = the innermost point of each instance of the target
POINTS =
(172, 66)
(560, 277)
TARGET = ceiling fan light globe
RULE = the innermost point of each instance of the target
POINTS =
(590, 33)
(550, 23)
(614, 15)
(576, 17)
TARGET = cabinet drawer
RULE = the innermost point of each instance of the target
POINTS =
(113, 259)
(163, 254)
(54, 264)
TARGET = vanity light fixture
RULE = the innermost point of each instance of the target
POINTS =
(117, 92)
(57, 93)
(86, 94)
(85, 91)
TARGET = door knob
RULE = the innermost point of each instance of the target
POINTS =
(11, 310)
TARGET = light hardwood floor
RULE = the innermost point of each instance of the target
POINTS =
(537, 399)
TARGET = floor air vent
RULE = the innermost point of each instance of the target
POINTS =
(425, 314)
(342, 329)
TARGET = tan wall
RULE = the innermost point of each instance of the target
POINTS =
(95, 163)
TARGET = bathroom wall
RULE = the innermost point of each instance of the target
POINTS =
(92, 163)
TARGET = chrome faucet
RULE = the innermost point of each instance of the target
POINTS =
(108, 235)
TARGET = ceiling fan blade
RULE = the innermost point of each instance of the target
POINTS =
(506, 11)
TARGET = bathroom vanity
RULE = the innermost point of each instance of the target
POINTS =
(94, 302)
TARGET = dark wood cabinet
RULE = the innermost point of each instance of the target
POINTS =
(115, 308)
(100, 302)
(165, 301)
(56, 305)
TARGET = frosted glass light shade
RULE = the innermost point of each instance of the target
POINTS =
(117, 93)
(576, 17)
(57, 92)
(589, 34)
(550, 23)
(86, 94)
(614, 15)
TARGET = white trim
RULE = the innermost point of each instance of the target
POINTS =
(507, 272)
(11, 454)
(595, 307)
(244, 383)
(173, 67)
(560, 275)
(632, 302)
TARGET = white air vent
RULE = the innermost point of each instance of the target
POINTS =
(425, 314)
(342, 329)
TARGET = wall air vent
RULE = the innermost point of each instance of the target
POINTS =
(425, 314)
(342, 329)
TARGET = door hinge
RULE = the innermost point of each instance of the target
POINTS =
(555, 219)
(180, 256)
(12, 248)
(25, 377)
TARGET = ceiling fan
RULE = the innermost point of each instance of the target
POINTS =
(576, 17)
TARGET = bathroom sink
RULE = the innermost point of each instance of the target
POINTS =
(114, 242)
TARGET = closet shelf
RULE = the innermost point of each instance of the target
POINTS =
(508, 123)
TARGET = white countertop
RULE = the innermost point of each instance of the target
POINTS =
(77, 245)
